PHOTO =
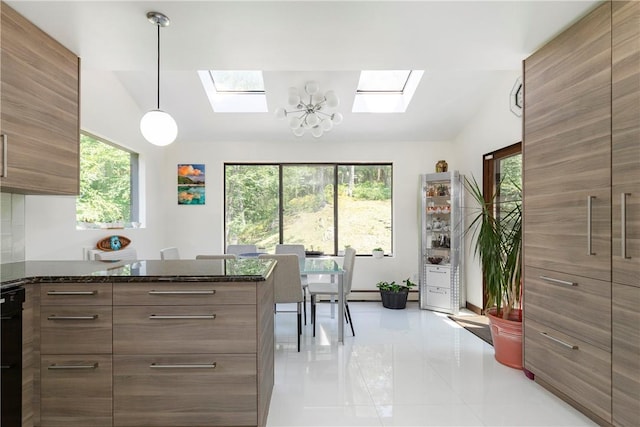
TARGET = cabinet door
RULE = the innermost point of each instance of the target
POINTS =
(185, 390)
(76, 391)
(40, 110)
(626, 142)
(567, 150)
(626, 362)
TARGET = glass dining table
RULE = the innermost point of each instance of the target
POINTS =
(329, 267)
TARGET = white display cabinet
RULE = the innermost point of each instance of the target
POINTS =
(442, 228)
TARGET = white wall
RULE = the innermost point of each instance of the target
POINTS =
(494, 127)
(199, 229)
(50, 220)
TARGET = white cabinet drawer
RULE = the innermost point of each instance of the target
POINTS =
(439, 297)
(439, 276)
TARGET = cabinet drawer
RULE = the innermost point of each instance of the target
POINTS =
(438, 276)
(574, 367)
(75, 293)
(185, 390)
(576, 306)
(184, 329)
(439, 297)
(184, 293)
(76, 391)
(68, 329)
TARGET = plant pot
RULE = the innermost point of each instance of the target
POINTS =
(394, 300)
(507, 337)
(377, 254)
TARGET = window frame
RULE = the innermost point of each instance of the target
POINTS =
(336, 166)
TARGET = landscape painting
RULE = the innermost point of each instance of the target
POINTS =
(191, 184)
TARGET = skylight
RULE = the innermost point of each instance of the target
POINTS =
(234, 91)
(385, 91)
(383, 80)
(238, 81)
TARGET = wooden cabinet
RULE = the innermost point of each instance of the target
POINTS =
(39, 104)
(192, 354)
(75, 354)
(625, 142)
(626, 351)
(567, 214)
(567, 151)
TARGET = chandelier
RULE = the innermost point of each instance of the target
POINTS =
(310, 116)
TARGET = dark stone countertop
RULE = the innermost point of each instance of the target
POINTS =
(240, 270)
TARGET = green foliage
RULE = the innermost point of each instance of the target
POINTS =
(498, 243)
(372, 191)
(105, 182)
(394, 287)
(378, 249)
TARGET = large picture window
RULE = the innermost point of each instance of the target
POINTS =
(108, 185)
(326, 207)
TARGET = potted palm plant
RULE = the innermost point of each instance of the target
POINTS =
(394, 295)
(497, 241)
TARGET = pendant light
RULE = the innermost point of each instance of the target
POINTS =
(157, 126)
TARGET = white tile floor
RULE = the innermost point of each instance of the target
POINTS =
(407, 367)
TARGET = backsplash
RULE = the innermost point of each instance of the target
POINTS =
(12, 230)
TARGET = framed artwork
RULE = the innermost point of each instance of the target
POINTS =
(191, 184)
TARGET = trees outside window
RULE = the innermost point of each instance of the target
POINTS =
(108, 184)
(326, 207)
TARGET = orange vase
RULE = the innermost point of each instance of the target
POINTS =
(507, 337)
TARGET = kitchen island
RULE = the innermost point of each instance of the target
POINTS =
(146, 343)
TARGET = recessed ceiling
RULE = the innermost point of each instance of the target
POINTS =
(465, 47)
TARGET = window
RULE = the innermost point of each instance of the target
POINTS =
(502, 178)
(386, 91)
(108, 185)
(326, 207)
(234, 91)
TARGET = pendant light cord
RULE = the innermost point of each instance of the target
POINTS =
(158, 66)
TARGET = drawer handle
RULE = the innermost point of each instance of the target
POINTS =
(54, 366)
(58, 293)
(436, 271)
(589, 222)
(558, 281)
(181, 316)
(54, 317)
(623, 224)
(5, 145)
(436, 292)
(570, 346)
(183, 366)
(196, 292)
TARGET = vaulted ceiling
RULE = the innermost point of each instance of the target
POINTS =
(465, 47)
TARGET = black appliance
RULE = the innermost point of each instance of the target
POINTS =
(11, 356)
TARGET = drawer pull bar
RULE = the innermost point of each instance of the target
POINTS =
(182, 316)
(199, 292)
(184, 366)
(54, 317)
(54, 366)
(58, 293)
(589, 221)
(5, 145)
(435, 271)
(558, 281)
(436, 292)
(623, 224)
(570, 346)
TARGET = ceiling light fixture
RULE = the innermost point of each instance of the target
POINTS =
(157, 126)
(309, 116)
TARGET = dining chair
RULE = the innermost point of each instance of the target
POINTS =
(241, 249)
(297, 249)
(331, 289)
(214, 257)
(122, 254)
(287, 283)
(169, 253)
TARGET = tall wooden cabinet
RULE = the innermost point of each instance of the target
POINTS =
(581, 168)
(625, 141)
(39, 104)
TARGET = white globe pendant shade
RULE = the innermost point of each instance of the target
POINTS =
(316, 131)
(332, 99)
(281, 113)
(309, 114)
(326, 125)
(299, 131)
(337, 118)
(158, 128)
(312, 120)
(312, 88)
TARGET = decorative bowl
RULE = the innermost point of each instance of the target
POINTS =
(434, 259)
